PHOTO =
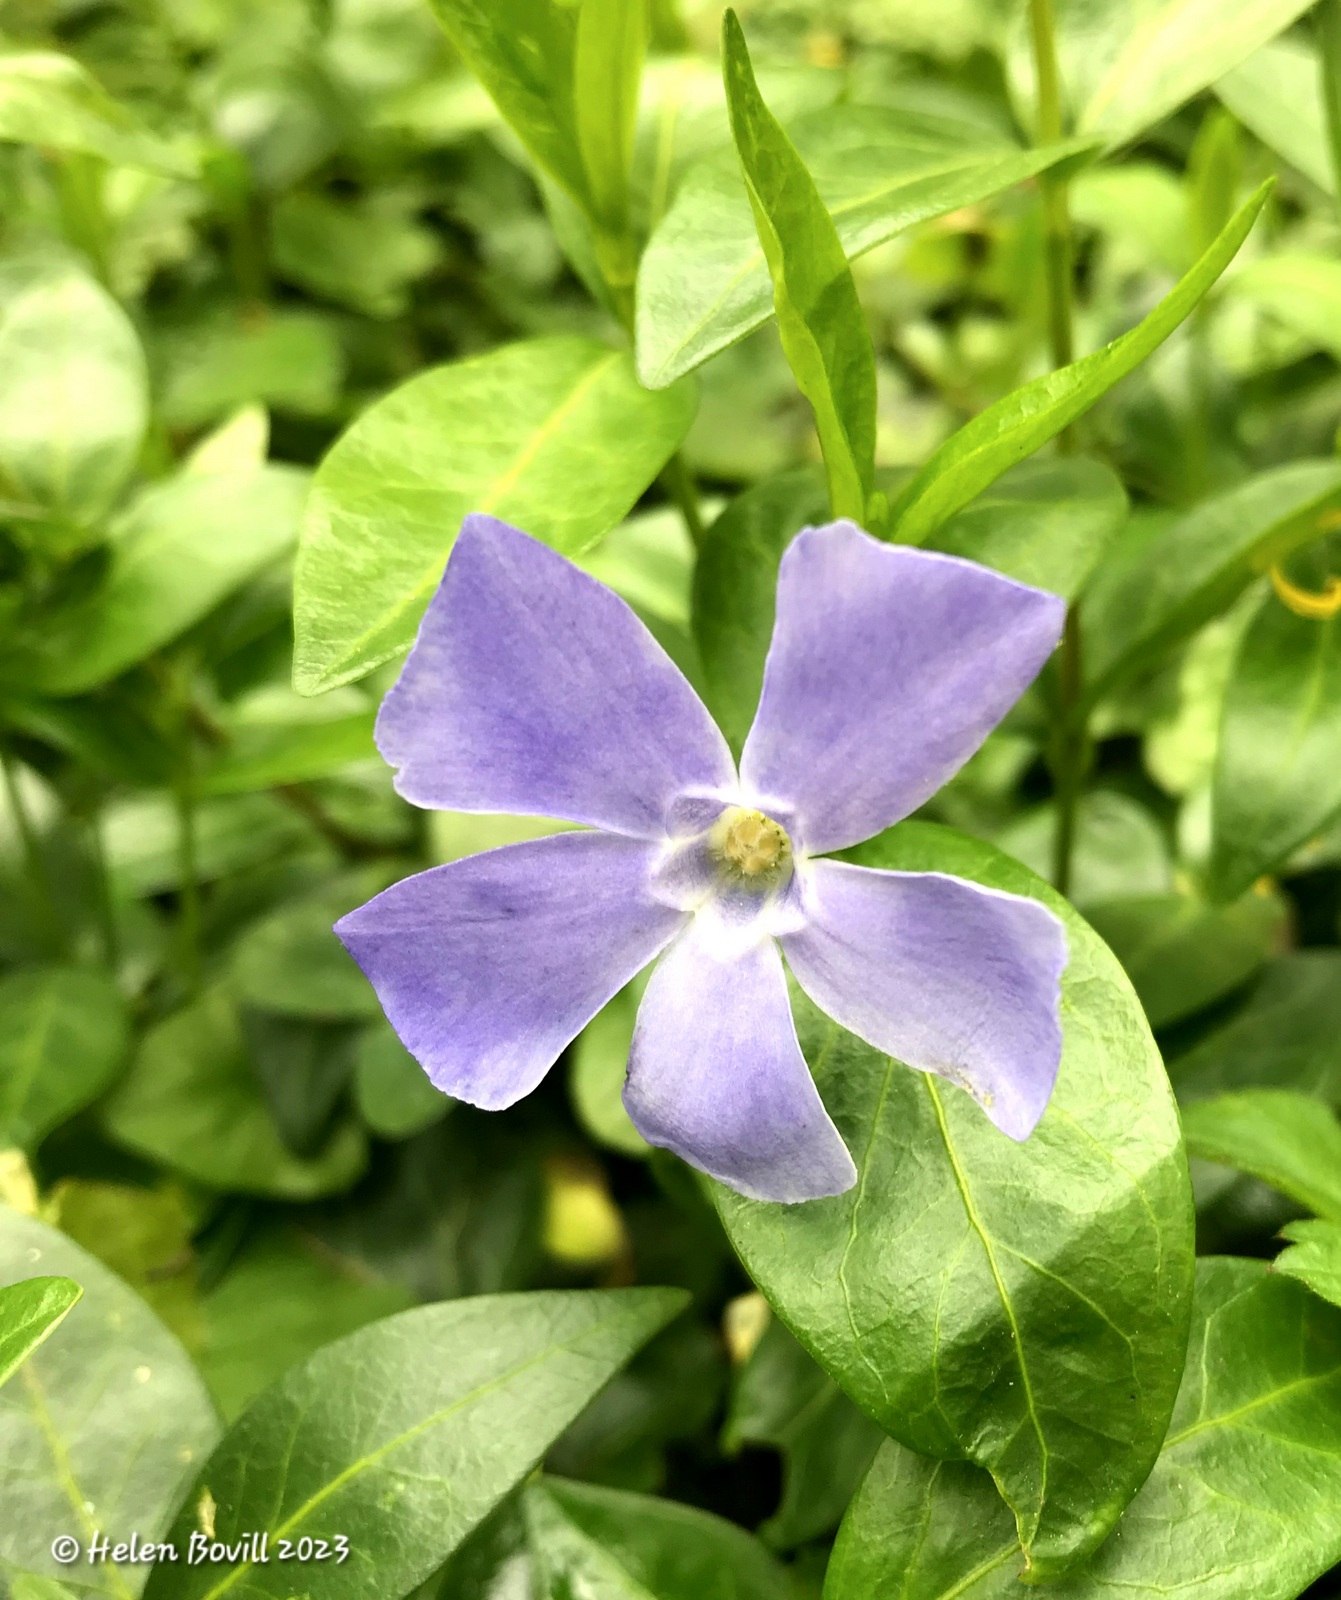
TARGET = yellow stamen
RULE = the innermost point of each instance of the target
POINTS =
(1303, 602)
(753, 846)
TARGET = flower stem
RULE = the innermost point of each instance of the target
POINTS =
(1070, 743)
(33, 860)
(680, 485)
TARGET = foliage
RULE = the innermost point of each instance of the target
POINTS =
(287, 288)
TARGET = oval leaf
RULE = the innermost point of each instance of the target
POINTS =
(554, 435)
(29, 1313)
(403, 1436)
(963, 1292)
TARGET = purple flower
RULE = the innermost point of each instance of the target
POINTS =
(533, 689)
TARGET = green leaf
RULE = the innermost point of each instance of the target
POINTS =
(1287, 1036)
(1183, 953)
(192, 1102)
(1274, 94)
(1153, 593)
(1301, 291)
(1277, 776)
(735, 585)
(30, 1312)
(604, 1544)
(1289, 1140)
(524, 53)
(141, 836)
(1128, 63)
(291, 360)
(1245, 1498)
(48, 99)
(1048, 523)
(291, 962)
(703, 282)
(311, 1295)
(1119, 848)
(364, 255)
(600, 1060)
(74, 393)
(1314, 1257)
(782, 1398)
(554, 435)
(1017, 425)
(963, 1293)
(267, 757)
(63, 1035)
(103, 1425)
(178, 550)
(607, 71)
(820, 319)
(395, 1096)
(403, 1436)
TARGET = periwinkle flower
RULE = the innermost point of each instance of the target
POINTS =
(533, 689)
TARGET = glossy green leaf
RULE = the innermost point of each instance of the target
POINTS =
(554, 435)
(270, 756)
(1127, 64)
(1274, 93)
(1277, 773)
(782, 1398)
(178, 550)
(735, 584)
(30, 1312)
(395, 1096)
(963, 1293)
(1289, 1140)
(1154, 592)
(50, 100)
(74, 394)
(604, 1544)
(1314, 1256)
(311, 1295)
(1017, 425)
(63, 1035)
(1047, 523)
(191, 1101)
(820, 319)
(703, 281)
(1301, 291)
(101, 1428)
(436, 1413)
(1245, 1498)
(1287, 1036)
(1182, 953)
(524, 53)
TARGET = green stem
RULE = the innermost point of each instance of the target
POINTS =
(33, 860)
(1070, 743)
(1327, 22)
(680, 485)
(188, 861)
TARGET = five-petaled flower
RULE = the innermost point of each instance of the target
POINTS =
(533, 689)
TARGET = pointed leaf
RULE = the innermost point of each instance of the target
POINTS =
(703, 282)
(963, 1293)
(1314, 1257)
(1018, 424)
(30, 1312)
(403, 1436)
(554, 435)
(1275, 94)
(820, 320)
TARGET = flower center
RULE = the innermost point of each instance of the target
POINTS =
(752, 847)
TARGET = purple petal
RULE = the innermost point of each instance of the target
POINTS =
(716, 1075)
(489, 966)
(943, 974)
(534, 689)
(888, 668)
